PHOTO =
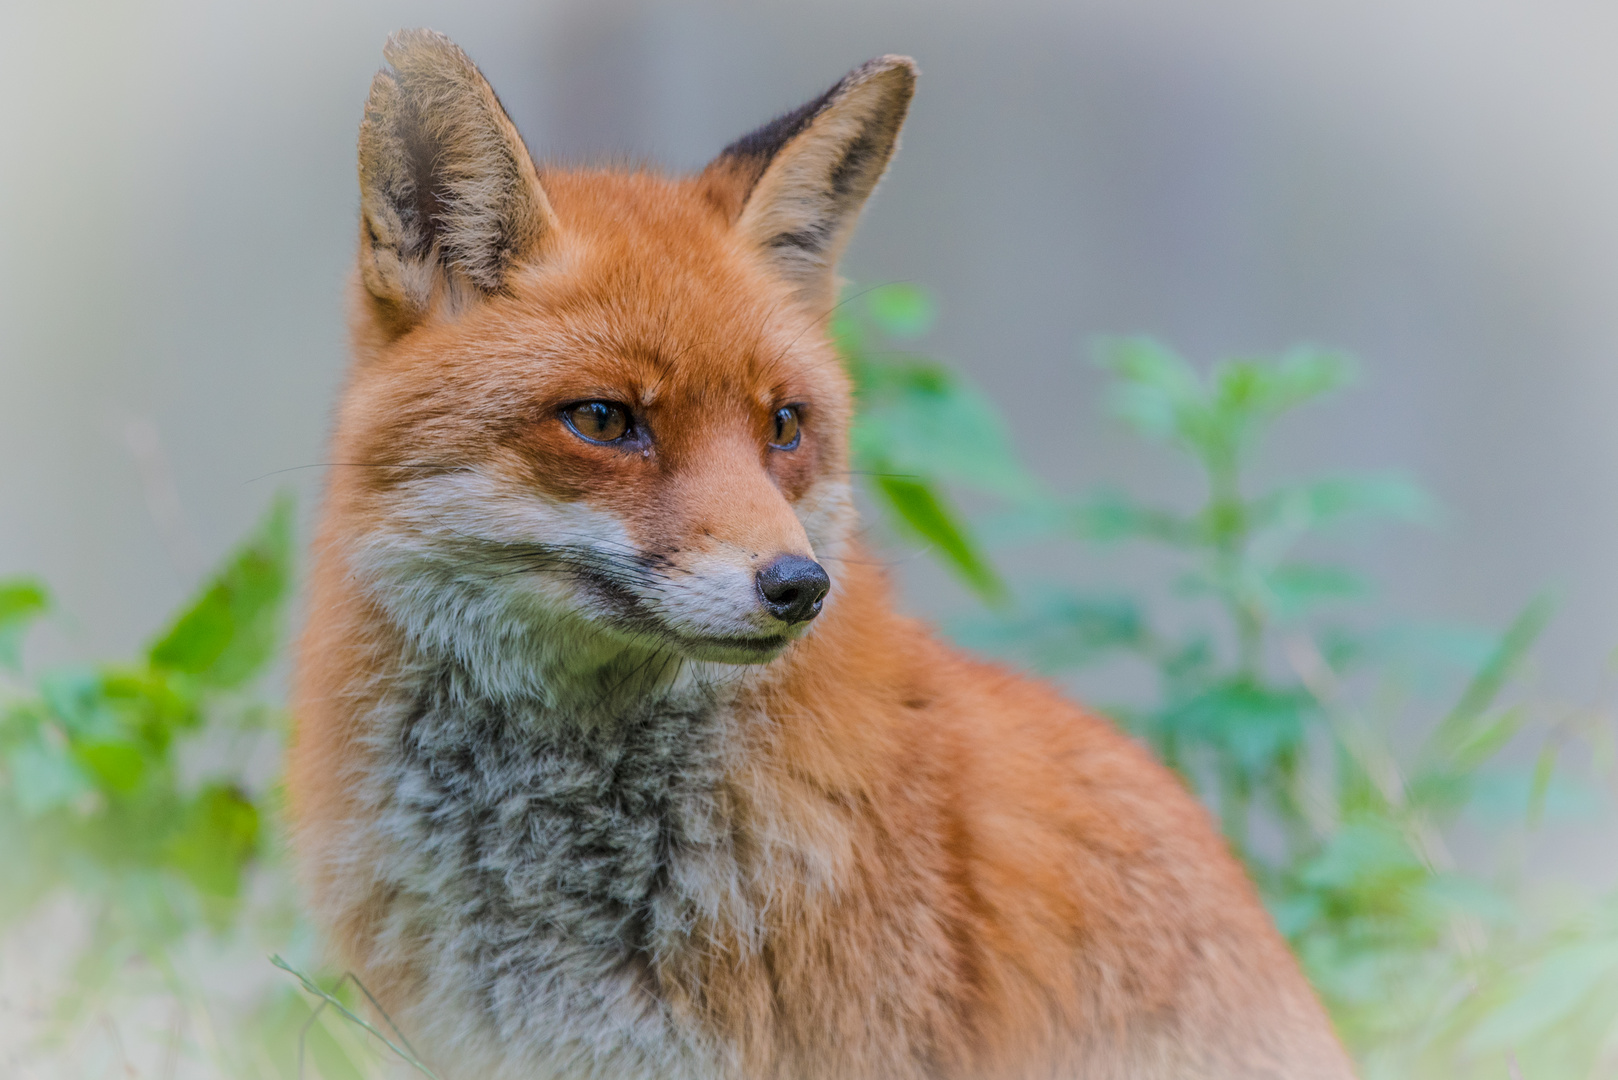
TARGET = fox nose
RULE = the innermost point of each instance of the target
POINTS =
(793, 588)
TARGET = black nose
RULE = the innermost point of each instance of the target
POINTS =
(793, 587)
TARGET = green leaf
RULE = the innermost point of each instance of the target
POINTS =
(1539, 788)
(848, 334)
(1457, 729)
(1264, 389)
(1485, 738)
(117, 766)
(1296, 913)
(1160, 395)
(902, 310)
(1110, 516)
(1363, 855)
(74, 696)
(1296, 588)
(1105, 516)
(22, 600)
(920, 419)
(230, 631)
(1155, 389)
(151, 704)
(43, 778)
(1416, 649)
(220, 835)
(1342, 500)
(1252, 723)
(1059, 629)
(921, 509)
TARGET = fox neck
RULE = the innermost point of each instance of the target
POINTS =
(555, 800)
(555, 862)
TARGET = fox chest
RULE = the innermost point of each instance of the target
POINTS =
(548, 868)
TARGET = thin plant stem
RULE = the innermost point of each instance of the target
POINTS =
(402, 1048)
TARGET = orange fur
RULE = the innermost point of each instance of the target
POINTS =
(936, 868)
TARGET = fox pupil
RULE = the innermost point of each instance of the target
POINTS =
(599, 421)
(786, 428)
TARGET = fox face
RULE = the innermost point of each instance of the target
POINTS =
(595, 414)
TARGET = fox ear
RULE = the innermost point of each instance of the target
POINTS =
(449, 196)
(795, 186)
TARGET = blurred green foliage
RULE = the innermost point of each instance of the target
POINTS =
(94, 796)
(144, 793)
(1307, 727)
(919, 429)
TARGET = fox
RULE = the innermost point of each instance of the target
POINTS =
(613, 756)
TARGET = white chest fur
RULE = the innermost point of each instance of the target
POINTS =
(541, 867)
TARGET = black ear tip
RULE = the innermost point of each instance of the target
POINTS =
(892, 65)
(896, 60)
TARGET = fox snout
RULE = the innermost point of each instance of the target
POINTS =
(740, 586)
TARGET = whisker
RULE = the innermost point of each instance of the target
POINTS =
(875, 472)
(441, 466)
(860, 562)
(845, 300)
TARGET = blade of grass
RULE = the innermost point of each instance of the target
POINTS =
(1480, 693)
(407, 1053)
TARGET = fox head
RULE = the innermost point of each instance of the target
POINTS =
(596, 412)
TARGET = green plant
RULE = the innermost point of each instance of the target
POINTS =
(143, 796)
(1279, 705)
(920, 429)
(94, 798)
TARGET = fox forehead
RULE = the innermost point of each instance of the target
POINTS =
(664, 297)
(645, 296)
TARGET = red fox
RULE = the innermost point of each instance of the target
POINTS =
(613, 759)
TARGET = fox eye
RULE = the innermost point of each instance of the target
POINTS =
(598, 421)
(786, 428)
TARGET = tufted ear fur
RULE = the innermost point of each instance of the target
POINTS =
(795, 186)
(449, 196)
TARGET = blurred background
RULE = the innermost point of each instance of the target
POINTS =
(1431, 186)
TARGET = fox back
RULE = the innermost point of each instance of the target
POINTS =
(612, 757)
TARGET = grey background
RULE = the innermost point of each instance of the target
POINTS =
(1431, 185)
